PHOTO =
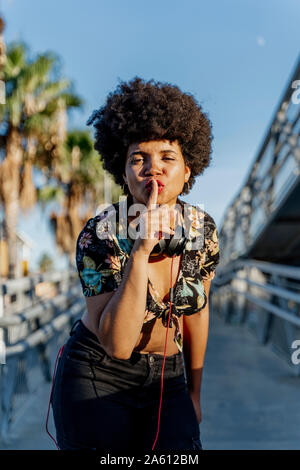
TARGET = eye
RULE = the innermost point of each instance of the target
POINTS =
(136, 160)
(168, 158)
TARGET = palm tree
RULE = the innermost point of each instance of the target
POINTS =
(35, 106)
(33, 134)
(46, 132)
(82, 186)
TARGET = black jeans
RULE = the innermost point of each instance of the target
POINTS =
(108, 404)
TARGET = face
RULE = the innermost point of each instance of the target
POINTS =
(159, 159)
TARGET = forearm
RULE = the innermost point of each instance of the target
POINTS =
(194, 379)
(122, 319)
(194, 347)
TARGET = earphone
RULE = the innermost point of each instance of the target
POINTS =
(174, 246)
(171, 247)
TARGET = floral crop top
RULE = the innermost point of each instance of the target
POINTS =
(102, 251)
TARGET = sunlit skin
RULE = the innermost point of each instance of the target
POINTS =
(160, 159)
(164, 161)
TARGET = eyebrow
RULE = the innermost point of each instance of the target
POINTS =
(138, 152)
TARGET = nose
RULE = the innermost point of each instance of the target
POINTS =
(153, 167)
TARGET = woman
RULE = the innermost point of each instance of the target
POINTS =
(154, 140)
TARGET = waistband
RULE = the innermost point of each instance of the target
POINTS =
(79, 328)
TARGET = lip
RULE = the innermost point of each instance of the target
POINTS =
(149, 183)
(148, 186)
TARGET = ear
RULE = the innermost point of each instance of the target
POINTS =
(187, 173)
(124, 178)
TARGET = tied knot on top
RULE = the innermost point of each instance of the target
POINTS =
(164, 315)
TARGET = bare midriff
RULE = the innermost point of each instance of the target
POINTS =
(152, 337)
(153, 334)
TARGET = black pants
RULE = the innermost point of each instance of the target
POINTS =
(112, 405)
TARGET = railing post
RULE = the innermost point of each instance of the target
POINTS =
(244, 309)
(43, 356)
(32, 292)
(7, 386)
(266, 330)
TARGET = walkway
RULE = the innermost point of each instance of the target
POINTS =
(250, 399)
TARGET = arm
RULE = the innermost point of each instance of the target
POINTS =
(115, 318)
(120, 324)
(195, 333)
(122, 315)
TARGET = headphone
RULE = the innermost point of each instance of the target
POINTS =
(173, 246)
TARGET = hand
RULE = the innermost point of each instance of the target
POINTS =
(154, 222)
(196, 402)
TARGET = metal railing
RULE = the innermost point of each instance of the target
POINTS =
(273, 175)
(32, 336)
(265, 297)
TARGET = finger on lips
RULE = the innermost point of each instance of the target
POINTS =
(153, 194)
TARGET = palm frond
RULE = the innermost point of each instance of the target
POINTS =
(37, 72)
(15, 60)
(51, 90)
(49, 193)
(72, 100)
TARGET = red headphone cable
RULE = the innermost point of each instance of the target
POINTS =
(161, 390)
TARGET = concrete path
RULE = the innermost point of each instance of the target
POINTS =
(250, 398)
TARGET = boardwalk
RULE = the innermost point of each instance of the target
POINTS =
(250, 399)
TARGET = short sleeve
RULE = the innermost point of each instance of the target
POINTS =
(211, 252)
(97, 261)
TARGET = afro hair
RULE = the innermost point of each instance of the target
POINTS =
(140, 111)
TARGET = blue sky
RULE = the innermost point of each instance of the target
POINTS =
(234, 56)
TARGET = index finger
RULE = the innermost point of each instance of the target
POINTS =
(153, 195)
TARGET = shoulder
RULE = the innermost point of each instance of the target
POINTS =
(98, 233)
(98, 259)
(200, 223)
